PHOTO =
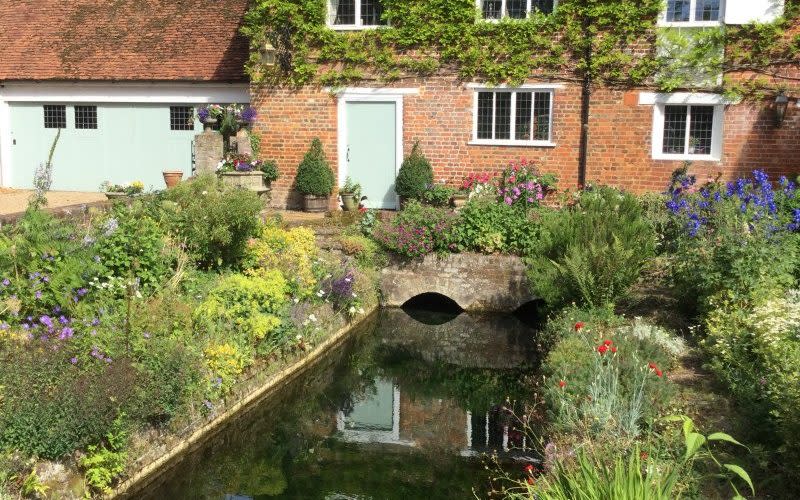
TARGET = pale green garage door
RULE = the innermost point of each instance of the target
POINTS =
(115, 142)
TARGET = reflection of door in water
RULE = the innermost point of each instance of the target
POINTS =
(374, 413)
(371, 150)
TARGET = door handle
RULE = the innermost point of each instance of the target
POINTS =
(348, 153)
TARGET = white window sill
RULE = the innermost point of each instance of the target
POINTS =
(509, 142)
(685, 157)
(689, 24)
(354, 27)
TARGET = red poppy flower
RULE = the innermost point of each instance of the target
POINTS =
(531, 481)
(652, 366)
(579, 325)
(643, 455)
(614, 349)
(562, 384)
(607, 342)
(659, 373)
(602, 349)
(529, 469)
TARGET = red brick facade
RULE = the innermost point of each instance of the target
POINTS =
(440, 117)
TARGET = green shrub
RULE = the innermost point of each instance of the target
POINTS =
(131, 245)
(50, 408)
(213, 222)
(438, 195)
(755, 349)
(363, 249)
(593, 251)
(487, 226)
(250, 308)
(314, 175)
(417, 230)
(415, 175)
(105, 462)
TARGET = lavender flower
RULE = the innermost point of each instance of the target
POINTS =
(249, 114)
(6, 282)
(111, 225)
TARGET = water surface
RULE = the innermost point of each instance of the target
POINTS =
(404, 410)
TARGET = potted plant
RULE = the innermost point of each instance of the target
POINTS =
(414, 177)
(314, 179)
(210, 115)
(350, 194)
(241, 170)
(438, 195)
(113, 191)
(172, 177)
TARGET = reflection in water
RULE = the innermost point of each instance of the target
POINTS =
(402, 412)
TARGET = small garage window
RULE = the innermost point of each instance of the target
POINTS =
(86, 117)
(55, 116)
(181, 118)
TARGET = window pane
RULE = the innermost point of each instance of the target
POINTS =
(502, 127)
(674, 129)
(181, 118)
(707, 10)
(701, 128)
(55, 116)
(485, 106)
(492, 9)
(85, 117)
(541, 116)
(522, 125)
(678, 10)
(344, 11)
(516, 8)
(544, 6)
(371, 12)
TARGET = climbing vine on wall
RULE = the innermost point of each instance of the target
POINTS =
(611, 41)
(448, 36)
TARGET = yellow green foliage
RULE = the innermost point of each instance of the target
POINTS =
(292, 251)
(249, 305)
(226, 362)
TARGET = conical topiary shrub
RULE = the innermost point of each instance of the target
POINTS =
(415, 175)
(315, 178)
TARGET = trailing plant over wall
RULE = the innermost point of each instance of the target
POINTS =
(429, 36)
(607, 41)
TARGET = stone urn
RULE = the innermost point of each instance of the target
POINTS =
(252, 181)
(208, 123)
(349, 201)
(172, 177)
(315, 204)
(459, 200)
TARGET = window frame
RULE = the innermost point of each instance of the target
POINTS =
(62, 108)
(717, 125)
(504, 10)
(192, 115)
(96, 116)
(692, 22)
(350, 27)
(533, 89)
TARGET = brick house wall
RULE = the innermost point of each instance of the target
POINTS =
(440, 118)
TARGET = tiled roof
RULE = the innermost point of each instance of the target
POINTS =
(179, 40)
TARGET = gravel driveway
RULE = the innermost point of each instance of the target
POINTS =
(16, 200)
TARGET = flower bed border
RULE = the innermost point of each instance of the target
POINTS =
(152, 471)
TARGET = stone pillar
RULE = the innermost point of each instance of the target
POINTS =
(208, 151)
(243, 142)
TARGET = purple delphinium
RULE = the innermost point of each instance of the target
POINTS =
(202, 114)
(343, 287)
(6, 282)
(243, 166)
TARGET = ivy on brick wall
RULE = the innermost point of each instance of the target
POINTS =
(610, 41)
(448, 36)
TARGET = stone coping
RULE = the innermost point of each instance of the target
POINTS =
(153, 470)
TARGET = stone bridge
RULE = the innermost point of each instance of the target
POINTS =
(476, 282)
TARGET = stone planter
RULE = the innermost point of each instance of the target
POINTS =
(172, 178)
(459, 200)
(315, 204)
(349, 202)
(116, 196)
(252, 181)
(209, 123)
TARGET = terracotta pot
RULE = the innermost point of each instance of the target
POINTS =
(349, 202)
(315, 204)
(172, 178)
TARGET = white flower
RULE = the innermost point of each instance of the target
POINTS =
(305, 323)
(360, 310)
(352, 310)
(355, 295)
(296, 300)
(320, 293)
(204, 193)
(328, 276)
(312, 318)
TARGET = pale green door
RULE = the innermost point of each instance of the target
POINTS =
(129, 142)
(372, 150)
